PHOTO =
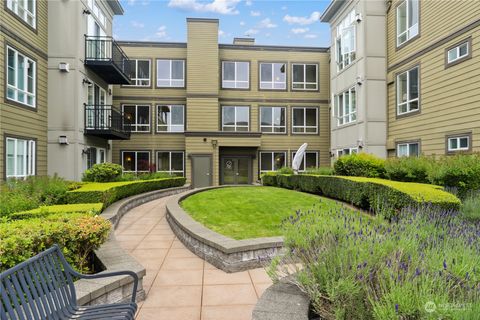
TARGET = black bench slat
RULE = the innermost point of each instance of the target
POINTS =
(21, 297)
(65, 291)
(32, 306)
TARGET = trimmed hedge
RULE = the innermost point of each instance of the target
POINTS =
(109, 192)
(78, 234)
(360, 165)
(384, 197)
(91, 208)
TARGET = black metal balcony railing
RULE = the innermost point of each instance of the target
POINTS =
(105, 57)
(107, 122)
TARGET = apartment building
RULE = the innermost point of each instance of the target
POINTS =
(84, 61)
(222, 113)
(427, 57)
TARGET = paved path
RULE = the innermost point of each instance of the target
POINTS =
(179, 285)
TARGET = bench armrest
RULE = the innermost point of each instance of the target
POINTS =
(112, 274)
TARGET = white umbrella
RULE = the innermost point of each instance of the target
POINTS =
(297, 160)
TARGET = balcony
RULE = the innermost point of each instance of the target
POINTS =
(105, 57)
(106, 122)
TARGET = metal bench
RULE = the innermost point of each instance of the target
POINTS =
(42, 288)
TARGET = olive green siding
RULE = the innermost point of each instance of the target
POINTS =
(17, 120)
(449, 96)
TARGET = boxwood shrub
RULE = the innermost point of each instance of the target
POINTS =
(383, 197)
(91, 208)
(109, 192)
(360, 165)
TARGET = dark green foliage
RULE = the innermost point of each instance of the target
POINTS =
(103, 172)
(285, 170)
(360, 165)
(321, 171)
(409, 169)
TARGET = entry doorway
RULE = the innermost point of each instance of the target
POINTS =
(236, 170)
(201, 171)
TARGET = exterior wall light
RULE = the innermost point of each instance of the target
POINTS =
(214, 143)
(63, 140)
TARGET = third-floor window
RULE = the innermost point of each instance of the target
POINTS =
(305, 76)
(25, 9)
(170, 73)
(407, 21)
(140, 72)
(235, 75)
(345, 46)
(273, 76)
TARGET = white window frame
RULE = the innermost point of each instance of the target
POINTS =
(412, 31)
(343, 117)
(408, 101)
(170, 171)
(15, 5)
(98, 12)
(304, 126)
(457, 52)
(14, 87)
(169, 124)
(458, 148)
(136, 161)
(345, 42)
(170, 79)
(136, 80)
(135, 124)
(346, 151)
(272, 153)
(236, 82)
(273, 82)
(304, 161)
(273, 126)
(304, 83)
(407, 145)
(29, 159)
(235, 125)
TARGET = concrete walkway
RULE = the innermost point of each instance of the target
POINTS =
(179, 285)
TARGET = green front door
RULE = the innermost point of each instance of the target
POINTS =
(236, 170)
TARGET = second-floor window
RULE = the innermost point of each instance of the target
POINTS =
(140, 73)
(346, 107)
(304, 76)
(305, 120)
(408, 149)
(20, 158)
(235, 74)
(407, 91)
(170, 73)
(170, 118)
(272, 120)
(345, 43)
(21, 78)
(273, 76)
(25, 9)
(139, 115)
(407, 21)
(458, 53)
(235, 118)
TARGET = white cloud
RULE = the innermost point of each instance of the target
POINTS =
(300, 30)
(242, 23)
(221, 33)
(248, 2)
(138, 25)
(314, 17)
(310, 36)
(267, 23)
(161, 32)
(251, 32)
(131, 2)
(216, 6)
(255, 13)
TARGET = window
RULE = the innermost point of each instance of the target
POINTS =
(139, 116)
(346, 151)
(140, 73)
(272, 161)
(170, 118)
(95, 156)
(310, 160)
(458, 143)
(272, 120)
(171, 162)
(21, 78)
(136, 161)
(459, 52)
(408, 149)
(407, 21)
(235, 75)
(407, 91)
(345, 42)
(171, 73)
(346, 107)
(97, 114)
(305, 76)
(273, 76)
(25, 9)
(235, 118)
(305, 120)
(20, 158)
(97, 12)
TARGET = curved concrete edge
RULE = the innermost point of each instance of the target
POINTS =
(225, 253)
(282, 301)
(110, 254)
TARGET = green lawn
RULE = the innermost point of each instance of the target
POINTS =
(250, 212)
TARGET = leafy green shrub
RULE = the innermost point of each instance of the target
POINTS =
(109, 192)
(409, 169)
(471, 207)
(154, 175)
(320, 171)
(285, 170)
(103, 172)
(90, 208)
(77, 234)
(360, 165)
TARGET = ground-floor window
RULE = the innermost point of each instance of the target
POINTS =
(136, 161)
(171, 162)
(408, 149)
(95, 155)
(272, 161)
(346, 151)
(20, 157)
(310, 160)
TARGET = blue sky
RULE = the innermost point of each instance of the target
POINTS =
(271, 22)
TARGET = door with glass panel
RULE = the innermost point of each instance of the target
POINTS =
(236, 170)
(98, 115)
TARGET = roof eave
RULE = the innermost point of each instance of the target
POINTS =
(332, 10)
(116, 7)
